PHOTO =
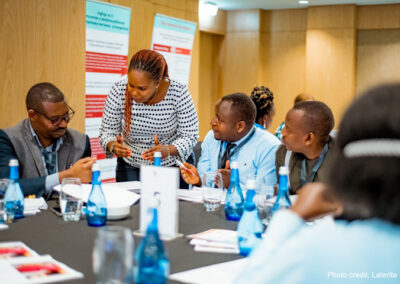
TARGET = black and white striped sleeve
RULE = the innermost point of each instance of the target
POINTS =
(111, 122)
(188, 125)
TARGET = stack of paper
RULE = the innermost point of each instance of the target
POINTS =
(215, 240)
(196, 195)
(193, 195)
(34, 205)
(20, 264)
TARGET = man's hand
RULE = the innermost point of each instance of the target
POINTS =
(119, 148)
(314, 200)
(164, 149)
(226, 174)
(188, 177)
(81, 169)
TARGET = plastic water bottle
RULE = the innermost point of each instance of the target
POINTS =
(14, 198)
(157, 159)
(234, 198)
(269, 192)
(250, 227)
(96, 207)
(282, 200)
(151, 262)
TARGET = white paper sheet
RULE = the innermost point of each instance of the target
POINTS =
(199, 242)
(222, 273)
(10, 274)
(117, 194)
(217, 235)
(195, 195)
(3, 227)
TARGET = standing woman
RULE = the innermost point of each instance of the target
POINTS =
(145, 112)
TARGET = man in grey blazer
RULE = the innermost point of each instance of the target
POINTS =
(46, 150)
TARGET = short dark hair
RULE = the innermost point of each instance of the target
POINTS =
(317, 118)
(43, 92)
(367, 185)
(242, 107)
(263, 98)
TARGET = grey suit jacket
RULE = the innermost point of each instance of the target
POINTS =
(18, 142)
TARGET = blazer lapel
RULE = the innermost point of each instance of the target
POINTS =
(64, 153)
(34, 149)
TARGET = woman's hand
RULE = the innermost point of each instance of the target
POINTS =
(191, 175)
(314, 200)
(164, 149)
(118, 148)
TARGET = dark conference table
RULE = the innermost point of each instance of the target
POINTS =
(72, 242)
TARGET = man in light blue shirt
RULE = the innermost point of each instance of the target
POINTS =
(234, 137)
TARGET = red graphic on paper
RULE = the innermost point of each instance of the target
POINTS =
(108, 180)
(106, 63)
(160, 47)
(94, 105)
(183, 51)
(176, 50)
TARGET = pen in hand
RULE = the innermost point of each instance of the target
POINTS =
(183, 166)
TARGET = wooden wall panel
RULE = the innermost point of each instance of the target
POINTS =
(214, 24)
(331, 56)
(243, 21)
(378, 57)
(241, 51)
(331, 17)
(241, 62)
(330, 67)
(283, 58)
(41, 41)
(378, 17)
(284, 67)
(288, 20)
(210, 72)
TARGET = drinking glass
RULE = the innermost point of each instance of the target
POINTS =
(212, 190)
(113, 253)
(3, 187)
(71, 199)
(263, 201)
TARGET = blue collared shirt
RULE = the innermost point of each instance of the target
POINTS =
(256, 157)
(53, 179)
(340, 252)
(259, 126)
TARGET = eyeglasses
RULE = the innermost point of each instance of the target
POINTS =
(57, 120)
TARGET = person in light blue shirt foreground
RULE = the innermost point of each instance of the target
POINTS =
(253, 148)
(362, 247)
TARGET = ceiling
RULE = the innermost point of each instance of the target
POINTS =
(288, 4)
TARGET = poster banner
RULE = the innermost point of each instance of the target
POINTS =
(107, 43)
(173, 38)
